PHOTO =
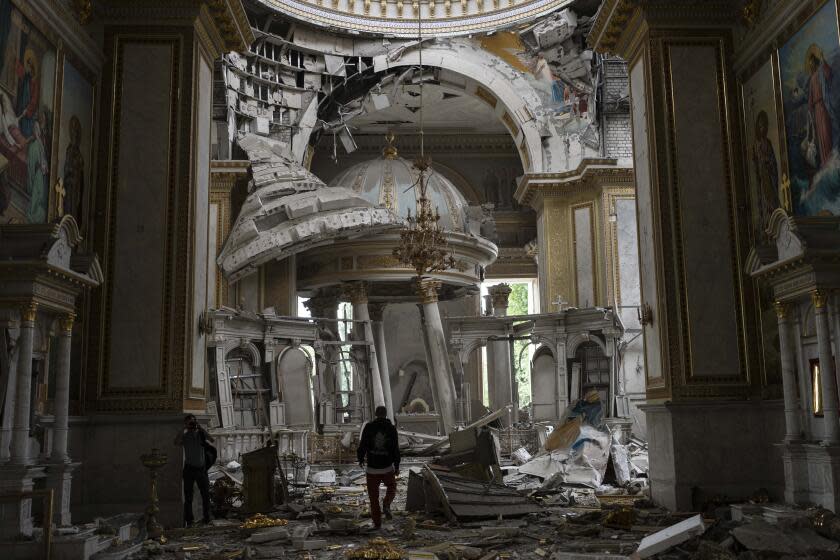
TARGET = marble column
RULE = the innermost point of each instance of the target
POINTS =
(9, 327)
(377, 312)
(425, 333)
(793, 431)
(439, 366)
(501, 379)
(60, 471)
(20, 429)
(828, 383)
(357, 293)
(62, 390)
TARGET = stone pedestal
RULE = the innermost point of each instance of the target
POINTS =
(812, 474)
(16, 516)
(59, 477)
(716, 448)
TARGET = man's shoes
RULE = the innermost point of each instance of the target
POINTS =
(188, 524)
(387, 512)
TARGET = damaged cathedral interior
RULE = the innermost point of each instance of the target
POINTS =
(562, 275)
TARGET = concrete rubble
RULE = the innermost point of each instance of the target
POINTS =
(442, 514)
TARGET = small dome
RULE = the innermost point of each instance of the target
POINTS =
(391, 181)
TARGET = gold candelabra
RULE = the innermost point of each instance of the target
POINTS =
(153, 461)
(423, 244)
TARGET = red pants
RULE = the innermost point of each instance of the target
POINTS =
(373, 482)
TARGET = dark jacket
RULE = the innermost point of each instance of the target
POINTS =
(380, 444)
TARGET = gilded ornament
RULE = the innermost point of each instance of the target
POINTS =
(260, 521)
(67, 323)
(818, 298)
(29, 311)
(83, 10)
(153, 461)
(784, 194)
(390, 151)
(781, 309)
(377, 549)
(428, 290)
(750, 12)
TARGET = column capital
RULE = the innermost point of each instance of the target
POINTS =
(356, 292)
(781, 309)
(819, 299)
(66, 323)
(500, 294)
(319, 305)
(29, 311)
(376, 311)
(427, 289)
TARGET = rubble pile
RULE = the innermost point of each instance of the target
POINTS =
(581, 496)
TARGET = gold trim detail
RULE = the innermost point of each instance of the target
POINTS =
(427, 289)
(781, 310)
(486, 96)
(29, 311)
(66, 323)
(818, 298)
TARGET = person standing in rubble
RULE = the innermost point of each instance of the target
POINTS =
(379, 445)
(193, 438)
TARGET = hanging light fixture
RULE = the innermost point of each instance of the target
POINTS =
(423, 244)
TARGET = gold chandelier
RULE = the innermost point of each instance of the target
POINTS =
(423, 244)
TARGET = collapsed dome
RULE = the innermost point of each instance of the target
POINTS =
(392, 182)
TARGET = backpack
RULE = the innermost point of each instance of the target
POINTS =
(210, 452)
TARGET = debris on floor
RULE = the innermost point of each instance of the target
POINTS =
(582, 496)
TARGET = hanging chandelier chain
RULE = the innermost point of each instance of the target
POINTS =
(423, 244)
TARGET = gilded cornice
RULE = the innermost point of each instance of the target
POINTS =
(776, 22)
(230, 165)
(618, 22)
(228, 17)
(533, 188)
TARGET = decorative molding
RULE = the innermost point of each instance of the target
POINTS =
(440, 21)
(500, 294)
(409, 145)
(534, 188)
(356, 292)
(29, 312)
(66, 323)
(819, 299)
(376, 311)
(228, 17)
(428, 290)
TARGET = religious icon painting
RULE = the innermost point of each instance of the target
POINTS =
(762, 147)
(809, 66)
(27, 93)
(75, 142)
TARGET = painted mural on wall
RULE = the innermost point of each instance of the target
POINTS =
(27, 88)
(762, 138)
(809, 63)
(74, 143)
